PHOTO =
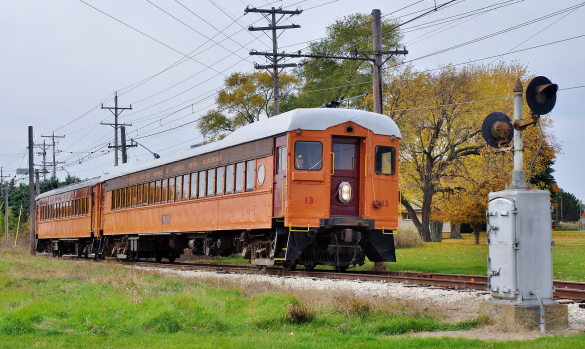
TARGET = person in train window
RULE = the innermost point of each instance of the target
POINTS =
(300, 163)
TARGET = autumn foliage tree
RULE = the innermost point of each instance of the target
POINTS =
(244, 99)
(446, 171)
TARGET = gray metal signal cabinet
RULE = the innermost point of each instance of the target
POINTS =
(520, 246)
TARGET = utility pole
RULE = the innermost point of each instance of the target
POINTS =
(117, 111)
(44, 148)
(31, 188)
(54, 153)
(124, 145)
(38, 184)
(6, 208)
(274, 56)
(377, 54)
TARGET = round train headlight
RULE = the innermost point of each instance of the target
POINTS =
(344, 192)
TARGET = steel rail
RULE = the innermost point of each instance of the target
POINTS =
(563, 289)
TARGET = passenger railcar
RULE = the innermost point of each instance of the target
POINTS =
(309, 187)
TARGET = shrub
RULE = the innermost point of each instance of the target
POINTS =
(297, 313)
(407, 237)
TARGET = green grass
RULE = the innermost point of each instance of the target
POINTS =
(53, 303)
(462, 256)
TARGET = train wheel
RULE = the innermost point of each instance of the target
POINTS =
(158, 259)
(289, 266)
(172, 259)
(341, 268)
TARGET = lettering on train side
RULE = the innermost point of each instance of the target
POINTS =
(132, 179)
(158, 173)
(193, 164)
(178, 168)
(212, 160)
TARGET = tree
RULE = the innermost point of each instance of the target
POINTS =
(445, 168)
(333, 79)
(245, 98)
(570, 209)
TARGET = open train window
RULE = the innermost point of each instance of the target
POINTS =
(145, 194)
(308, 155)
(250, 168)
(164, 191)
(385, 160)
(139, 195)
(229, 179)
(157, 192)
(193, 185)
(239, 177)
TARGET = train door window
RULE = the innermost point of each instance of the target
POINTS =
(193, 185)
(219, 181)
(151, 193)
(164, 191)
(171, 189)
(229, 179)
(250, 169)
(139, 195)
(309, 156)
(281, 160)
(157, 192)
(344, 156)
(145, 194)
(201, 184)
(186, 187)
(178, 188)
(385, 160)
(239, 177)
(210, 182)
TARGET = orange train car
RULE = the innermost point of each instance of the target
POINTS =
(309, 187)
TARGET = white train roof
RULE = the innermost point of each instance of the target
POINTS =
(305, 119)
(70, 187)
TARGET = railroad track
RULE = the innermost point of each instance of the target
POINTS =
(563, 289)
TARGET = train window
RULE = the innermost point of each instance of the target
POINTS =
(219, 181)
(281, 160)
(134, 199)
(164, 191)
(210, 182)
(229, 179)
(185, 194)
(151, 193)
(178, 186)
(250, 169)
(309, 156)
(385, 160)
(193, 185)
(69, 209)
(139, 195)
(128, 197)
(145, 194)
(171, 190)
(239, 177)
(201, 184)
(87, 205)
(123, 198)
(157, 192)
(103, 195)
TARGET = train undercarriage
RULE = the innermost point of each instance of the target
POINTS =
(338, 246)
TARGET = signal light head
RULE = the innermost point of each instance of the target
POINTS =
(344, 192)
(497, 130)
(541, 95)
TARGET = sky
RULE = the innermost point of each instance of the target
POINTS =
(62, 59)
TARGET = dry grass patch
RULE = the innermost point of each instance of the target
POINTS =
(407, 238)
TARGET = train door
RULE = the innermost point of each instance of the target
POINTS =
(280, 157)
(345, 169)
